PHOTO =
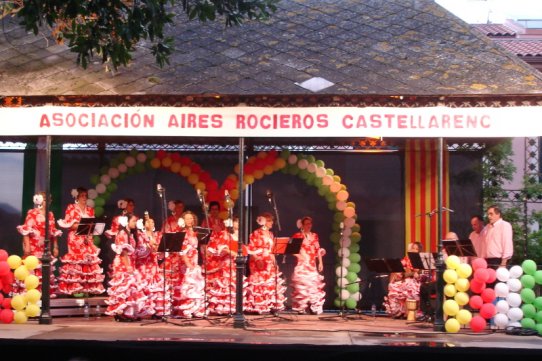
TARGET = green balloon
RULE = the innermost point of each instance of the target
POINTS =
(351, 303)
(336, 226)
(538, 303)
(529, 310)
(539, 328)
(354, 248)
(356, 228)
(331, 206)
(355, 237)
(528, 323)
(139, 167)
(538, 317)
(529, 267)
(112, 187)
(303, 174)
(320, 163)
(354, 257)
(331, 197)
(335, 237)
(293, 170)
(351, 277)
(354, 267)
(527, 281)
(329, 171)
(336, 246)
(150, 154)
(134, 152)
(99, 202)
(338, 303)
(527, 295)
(538, 277)
(337, 178)
(353, 288)
(338, 217)
(284, 154)
(98, 211)
(318, 182)
(95, 179)
(121, 176)
(115, 163)
(322, 191)
(351, 204)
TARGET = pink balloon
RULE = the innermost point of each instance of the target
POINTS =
(492, 275)
(488, 295)
(478, 263)
(478, 324)
(476, 302)
(487, 310)
(481, 275)
(477, 286)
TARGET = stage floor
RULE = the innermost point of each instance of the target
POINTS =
(325, 337)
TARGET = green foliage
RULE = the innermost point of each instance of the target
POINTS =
(497, 168)
(111, 29)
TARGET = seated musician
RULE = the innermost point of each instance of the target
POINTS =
(403, 286)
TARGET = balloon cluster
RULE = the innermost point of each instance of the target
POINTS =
(25, 304)
(346, 232)
(456, 277)
(531, 309)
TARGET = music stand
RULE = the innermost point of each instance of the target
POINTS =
(90, 226)
(169, 242)
(459, 247)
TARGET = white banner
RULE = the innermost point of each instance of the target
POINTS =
(273, 122)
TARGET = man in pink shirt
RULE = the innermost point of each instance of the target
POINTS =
(498, 246)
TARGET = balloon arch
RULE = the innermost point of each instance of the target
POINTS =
(306, 167)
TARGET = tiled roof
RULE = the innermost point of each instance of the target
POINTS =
(522, 47)
(495, 30)
(364, 47)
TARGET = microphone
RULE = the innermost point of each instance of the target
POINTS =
(341, 226)
(227, 195)
(159, 189)
(200, 196)
(269, 195)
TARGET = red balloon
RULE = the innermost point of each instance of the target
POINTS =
(6, 303)
(478, 324)
(481, 275)
(1, 298)
(478, 263)
(477, 286)
(492, 275)
(6, 316)
(475, 302)
(488, 295)
(161, 154)
(4, 268)
(3, 255)
(487, 310)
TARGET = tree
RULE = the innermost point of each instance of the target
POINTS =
(112, 28)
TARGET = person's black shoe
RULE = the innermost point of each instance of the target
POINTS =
(424, 318)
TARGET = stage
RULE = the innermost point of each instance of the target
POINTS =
(286, 336)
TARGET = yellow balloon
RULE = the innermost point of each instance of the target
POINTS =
(185, 171)
(21, 273)
(268, 169)
(193, 178)
(464, 316)
(31, 262)
(452, 325)
(461, 298)
(175, 167)
(248, 178)
(462, 284)
(450, 307)
(450, 290)
(464, 270)
(155, 163)
(166, 162)
(258, 174)
(279, 163)
(18, 302)
(200, 185)
(450, 276)
(32, 310)
(20, 317)
(452, 262)
(33, 295)
(14, 261)
(31, 282)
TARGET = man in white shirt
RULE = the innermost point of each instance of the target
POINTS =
(497, 245)
(477, 234)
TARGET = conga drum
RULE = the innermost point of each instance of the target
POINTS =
(412, 307)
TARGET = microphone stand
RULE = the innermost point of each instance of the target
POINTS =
(201, 197)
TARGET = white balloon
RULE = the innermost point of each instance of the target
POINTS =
(130, 161)
(349, 222)
(345, 295)
(141, 157)
(90, 203)
(92, 193)
(292, 159)
(357, 296)
(312, 167)
(344, 252)
(320, 172)
(343, 272)
(345, 262)
(516, 271)
(347, 232)
(513, 299)
(342, 282)
(100, 188)
(501, 289)
(327, 180)
(502, 306)
(105, 179)
(113, 172)
(514, 284)
(345, 242)
(514, 324)
(341, 205)
(501, 320)
(503, 274)
(303, 164)
(515, 314)
(122, 168)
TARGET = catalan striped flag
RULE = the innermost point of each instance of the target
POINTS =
(421, 193)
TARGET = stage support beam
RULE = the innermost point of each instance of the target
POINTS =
(45, 316)
(439, 314)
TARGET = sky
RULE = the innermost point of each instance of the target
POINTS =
(496, 11)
